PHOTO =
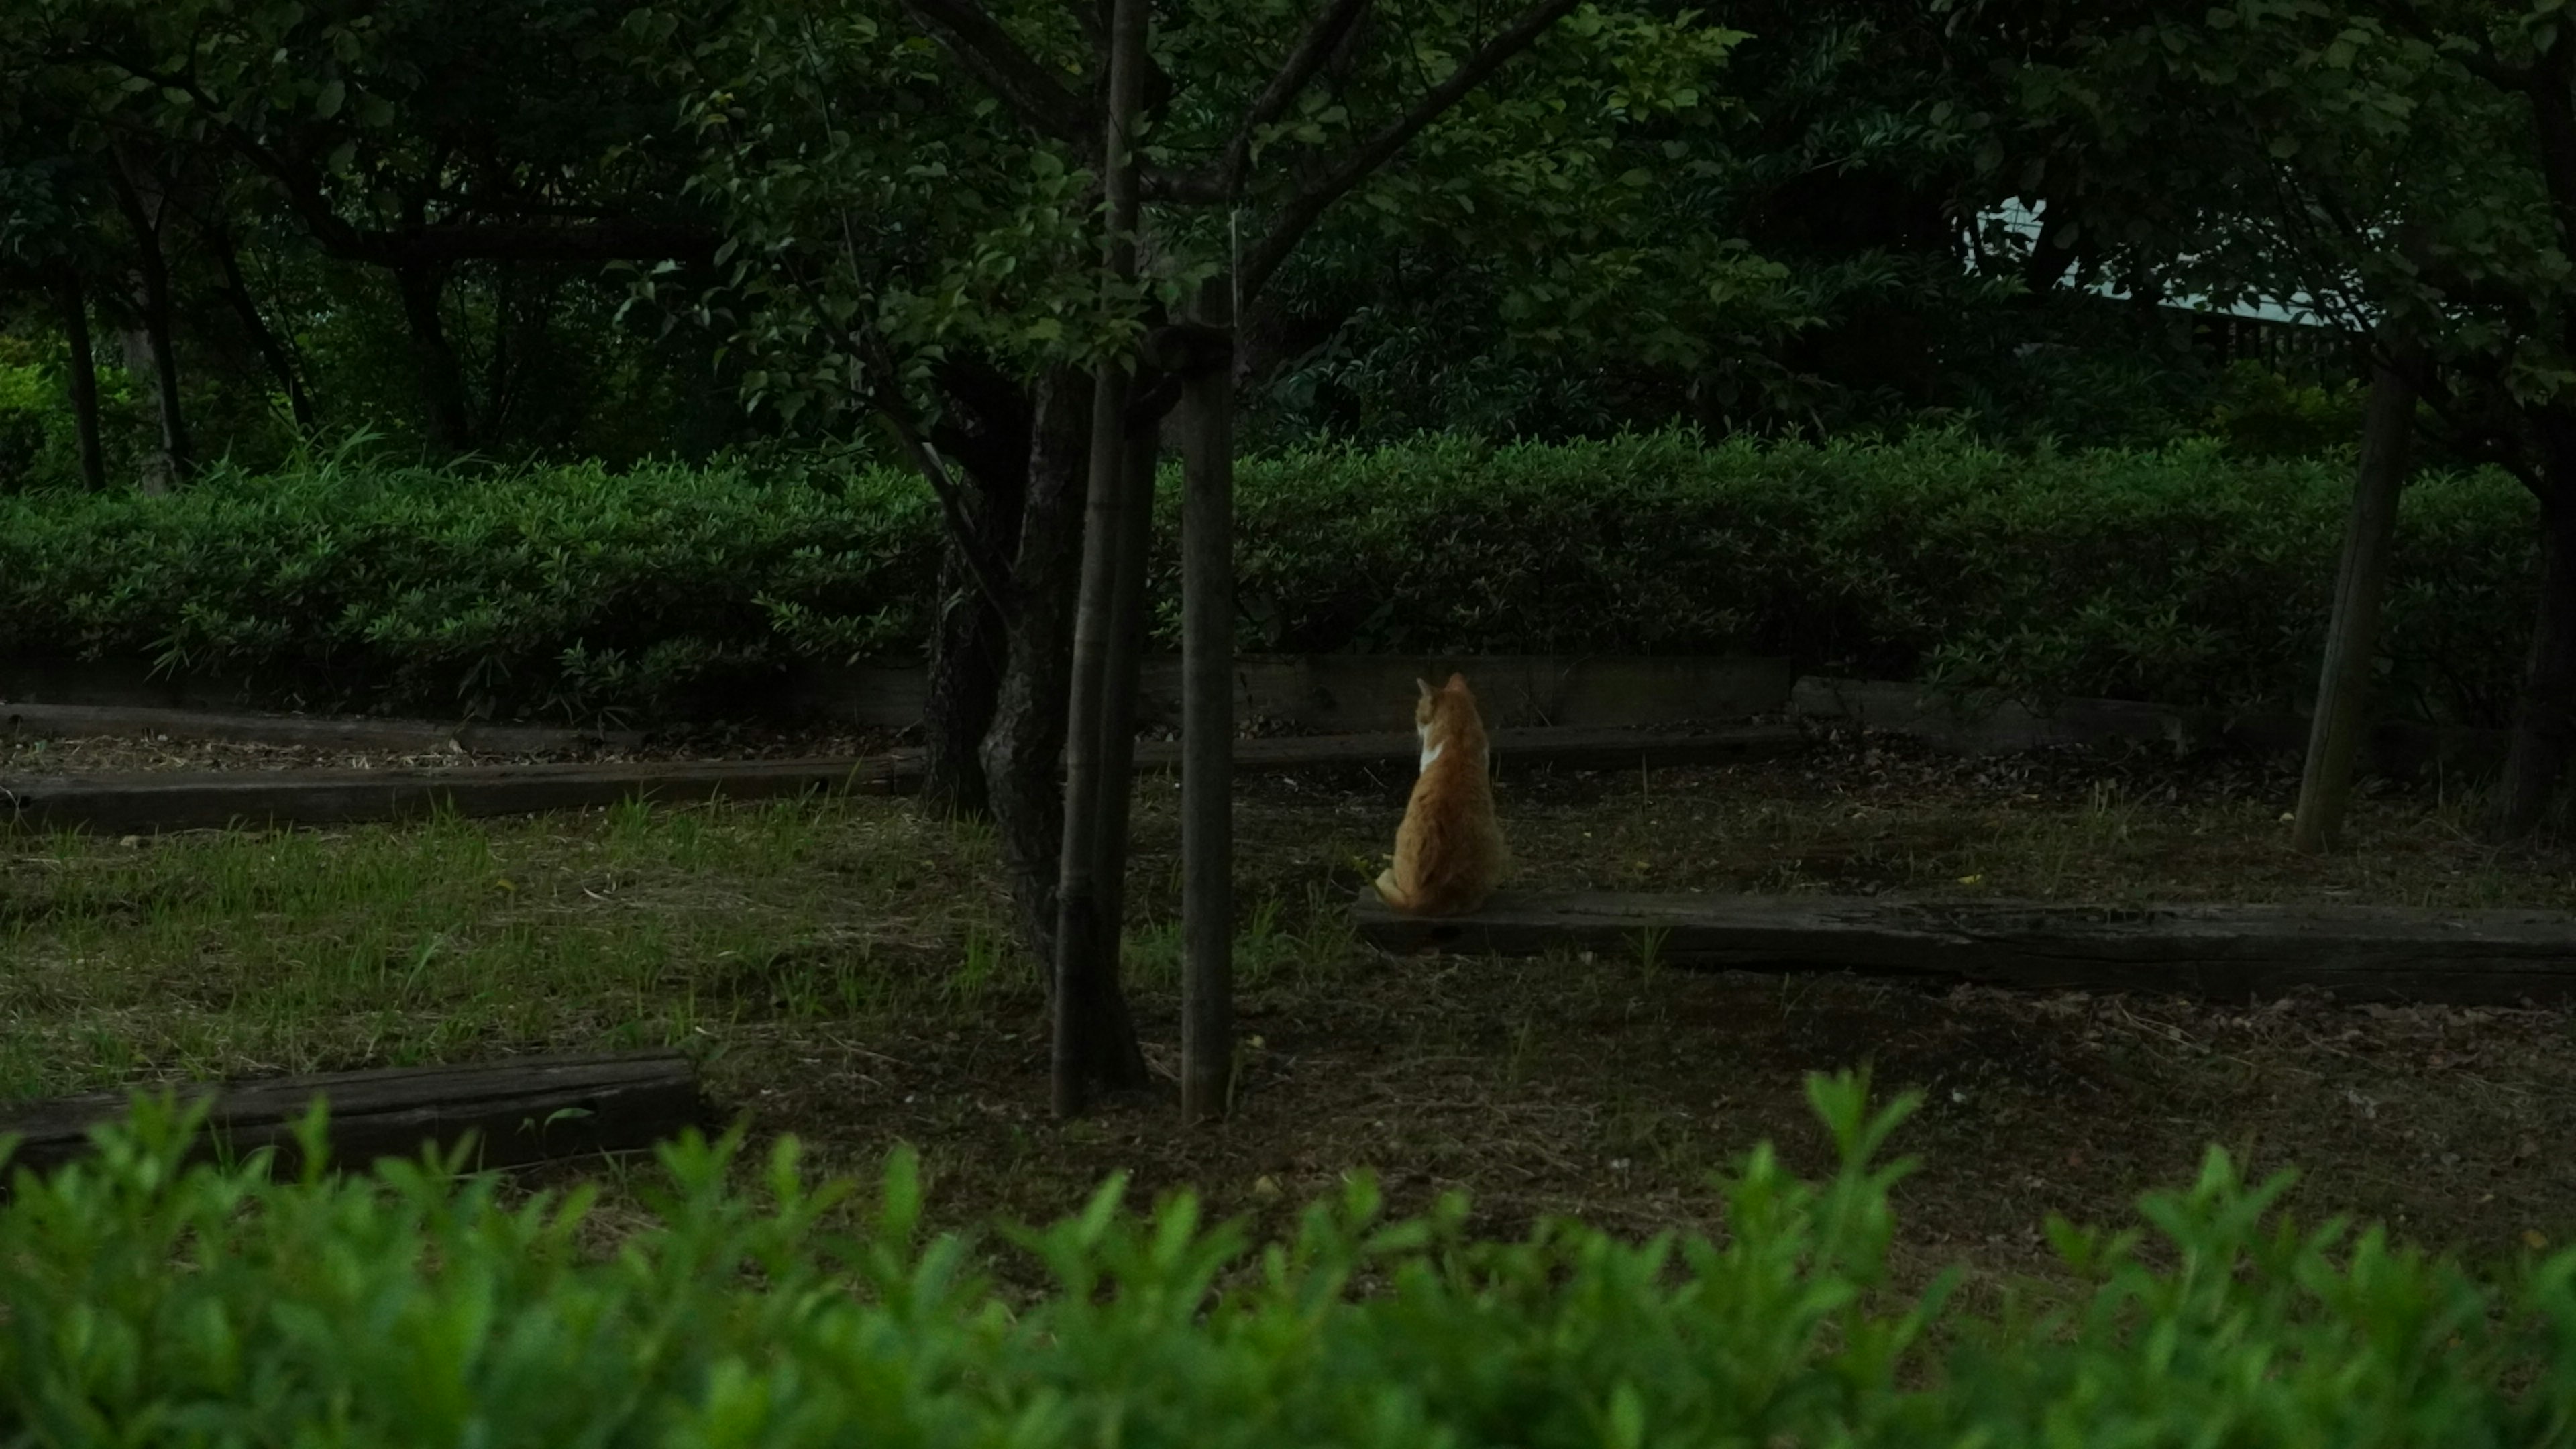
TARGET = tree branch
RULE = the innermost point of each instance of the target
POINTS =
(1313, 48)
(870, 345)
(1301, 213)
(983, 47)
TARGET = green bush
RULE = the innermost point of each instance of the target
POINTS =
(2185, 576)
(150, 1304)
(2190, 575)
(550, 590)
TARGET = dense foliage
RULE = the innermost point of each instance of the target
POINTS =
(2189, 576)
(410, 1308)
(548, 590)
(423, 220)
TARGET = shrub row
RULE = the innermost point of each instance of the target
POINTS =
(551, 591)
(147, 1304)
(2186, 576)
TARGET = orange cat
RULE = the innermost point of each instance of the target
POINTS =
(1449, 853)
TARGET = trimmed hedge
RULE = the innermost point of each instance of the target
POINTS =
(546, 591)
(146, 1304)
(2185, 576)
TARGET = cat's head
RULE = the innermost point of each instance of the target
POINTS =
(1453, 699)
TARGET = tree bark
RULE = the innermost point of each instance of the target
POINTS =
(1077, 939)
(1023, 751)
(72, 301)
(2536, 756)
(140, 196)
(1088, 1049)
(272, 348)
(2352, 636)
(1094, 1041)
(1207, 723)
(1119, 678)
(987, 427)
(442, 378)
(969, 648)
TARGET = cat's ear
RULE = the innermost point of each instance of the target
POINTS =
(1425, 686)
(1457, 681)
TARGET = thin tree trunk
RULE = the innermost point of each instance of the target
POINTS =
(1023, 751)
(272, 349)
(72, 299)
(1077, 936)
(2048, 261)
(1119, 679)
(987, 427)
(969, 648)
(442, 379)
(152, 475)
(2536, 757)
(1086, 1051)
(143, 215)
(1207, 724)
(497, 382)
(2352, 636)
(1094, 1043)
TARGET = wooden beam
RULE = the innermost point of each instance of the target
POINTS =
(210, 800)
(1516, 750)
(2229, 952)
(1370, 692)
(2391, 746)
(520, 1111)
(321, 732)
(149, 800)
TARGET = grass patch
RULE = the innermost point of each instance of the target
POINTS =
(215, 954)
(842, 971)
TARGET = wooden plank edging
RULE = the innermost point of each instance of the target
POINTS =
(193, 800)
(152, 800)
(1326, 692)
(327, 732)
(2227, 952)
(520, 1110)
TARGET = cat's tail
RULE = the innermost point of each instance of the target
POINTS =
(1389, 892)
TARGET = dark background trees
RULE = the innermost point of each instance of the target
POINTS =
(423, 221)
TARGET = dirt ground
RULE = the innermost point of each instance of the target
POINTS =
(1608, 1090)
(1601, 1089)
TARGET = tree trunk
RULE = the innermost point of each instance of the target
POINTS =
(2352, 634)
(2536, 757)
(1207, 724)
(139, 196)
(499, 386)
(1094, 1043)
(1023, 751)
(969, 647)
(152, 475)
(72, 299)
(1119, 679)
(272, 349)
(442, 378)
(2048, 261)
(987, 426)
